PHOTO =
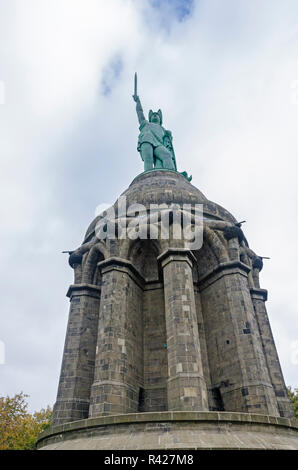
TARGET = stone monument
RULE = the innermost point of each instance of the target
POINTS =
(168, 344)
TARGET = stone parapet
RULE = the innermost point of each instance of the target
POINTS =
(174, 430)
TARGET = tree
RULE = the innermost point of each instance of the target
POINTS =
(293, 396)
(19, 429)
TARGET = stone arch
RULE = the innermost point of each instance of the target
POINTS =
(216, 245)
(96, 254)
(143, 255)
(211, 254)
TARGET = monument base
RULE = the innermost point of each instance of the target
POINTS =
(173, 430)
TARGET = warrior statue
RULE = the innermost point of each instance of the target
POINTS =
(155, 142)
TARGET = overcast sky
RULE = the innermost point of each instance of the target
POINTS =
(225, 74)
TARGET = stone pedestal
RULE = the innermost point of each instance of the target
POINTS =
(171, 339)
(174, 430)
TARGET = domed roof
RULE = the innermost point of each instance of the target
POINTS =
(162, 186)
(166, 187)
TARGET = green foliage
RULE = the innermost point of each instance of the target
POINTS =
(293, 396)
(19, 429)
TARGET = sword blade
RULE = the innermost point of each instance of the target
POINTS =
(136, 84)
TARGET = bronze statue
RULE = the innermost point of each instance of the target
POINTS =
(154, 142)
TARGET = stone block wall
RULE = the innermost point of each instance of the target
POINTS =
(170, 343)
(285, 408)
(118, 373)
(77, 369)
(155, 350)
(236, 357)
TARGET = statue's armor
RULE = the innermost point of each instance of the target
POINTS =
(152, 133)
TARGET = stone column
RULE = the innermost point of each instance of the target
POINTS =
(234, 236)
(236, 358)
(118, 373)
(186, 385)
(79, 353)
(259, 296)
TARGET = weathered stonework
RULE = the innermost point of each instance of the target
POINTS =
(157, 327)
(174, 430)
(79, 354)
(186, 383)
